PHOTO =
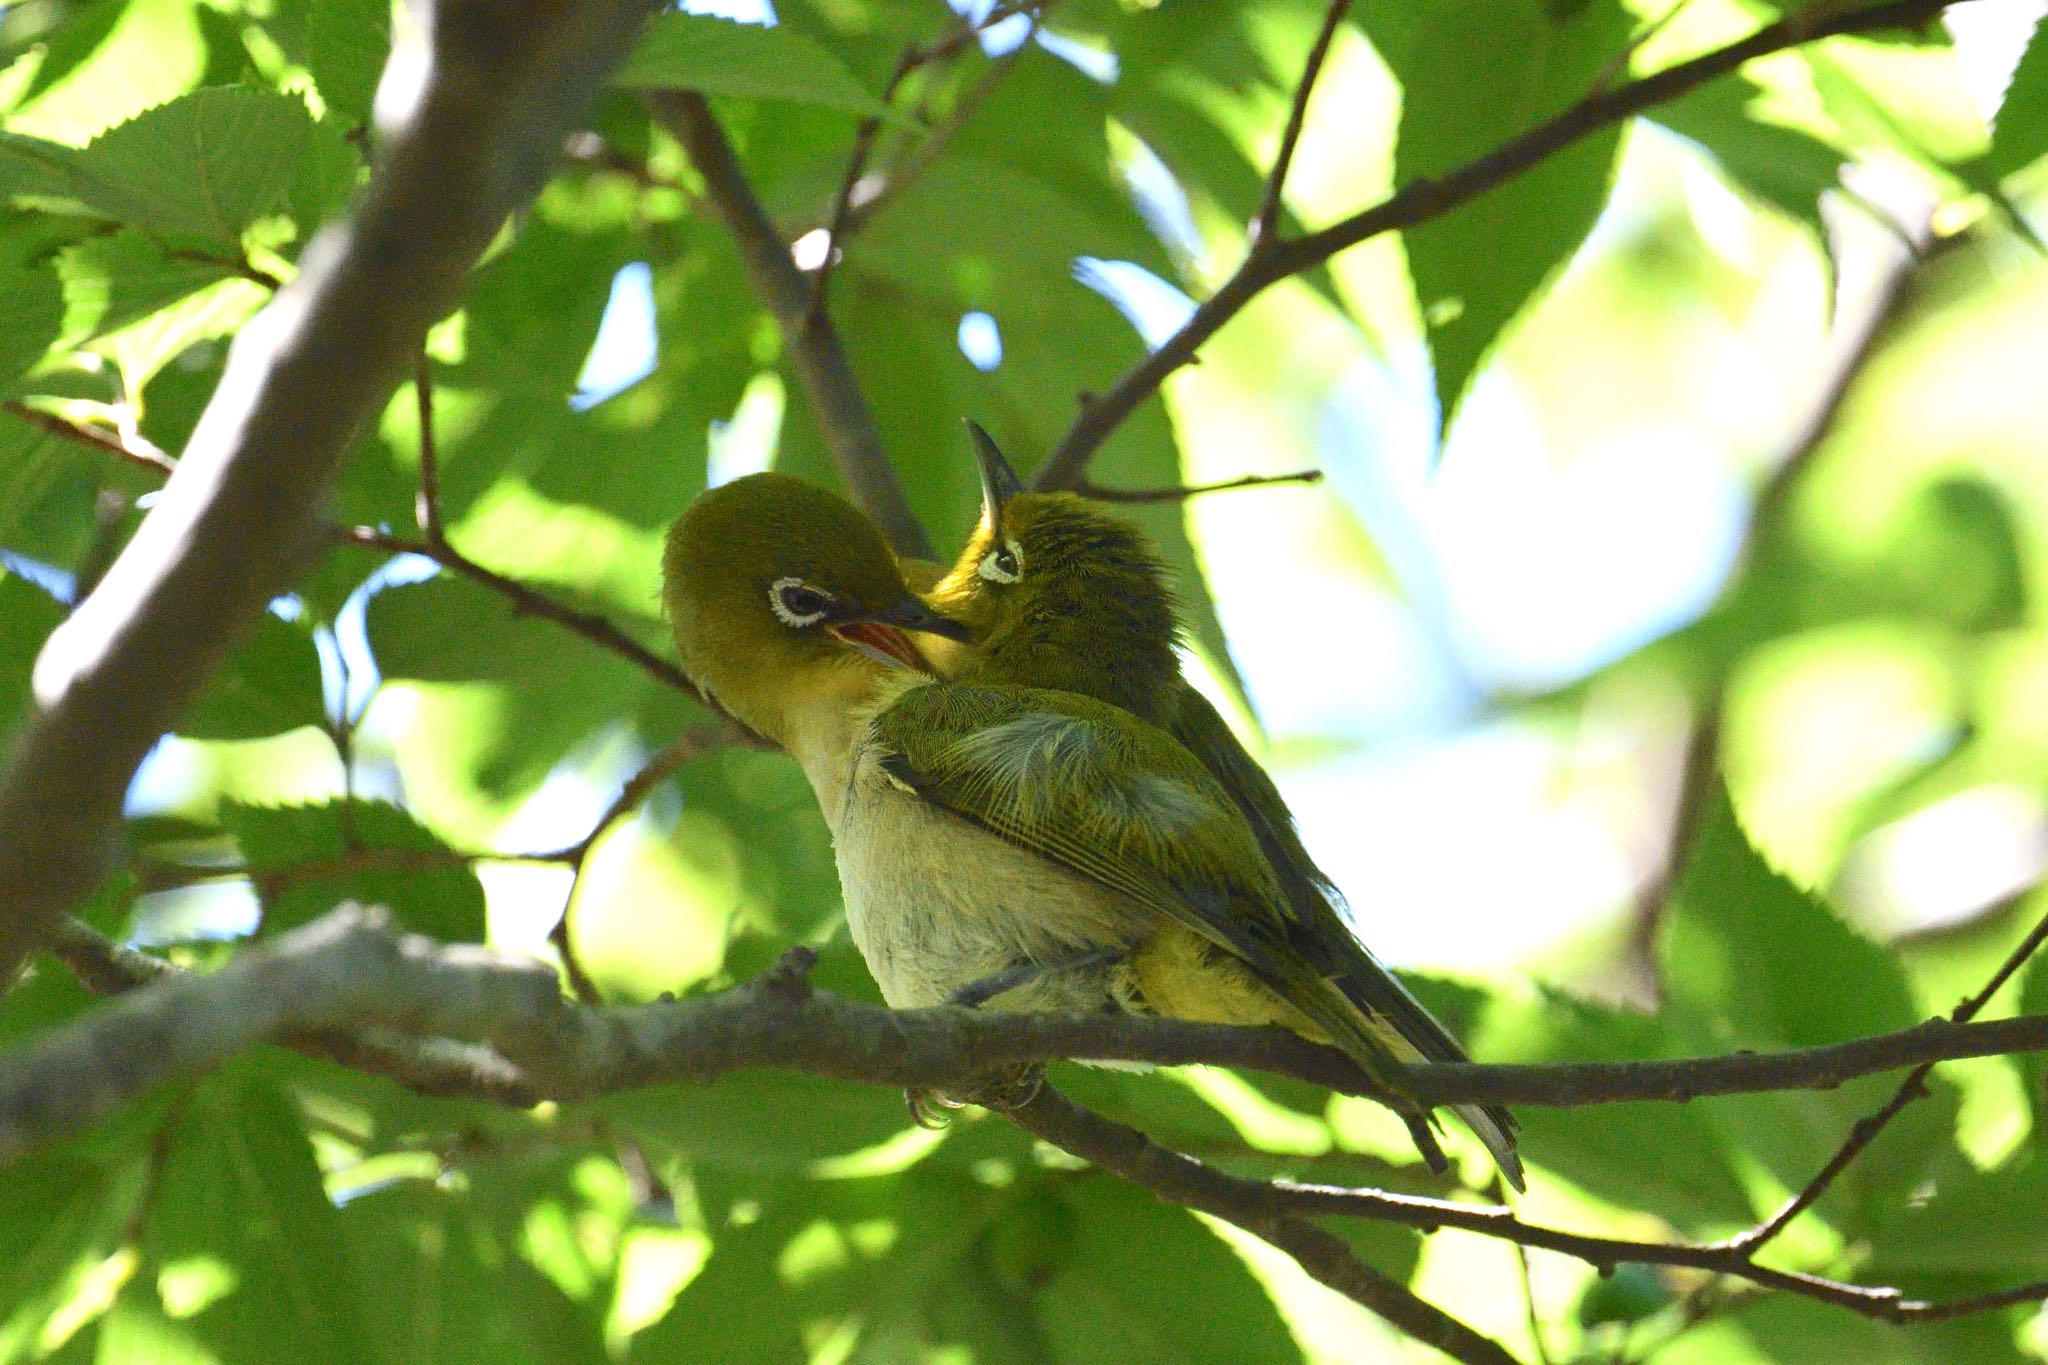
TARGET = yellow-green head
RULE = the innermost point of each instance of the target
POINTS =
(1059, 593)
(778, 591)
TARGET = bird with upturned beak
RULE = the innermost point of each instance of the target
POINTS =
(1059, 592)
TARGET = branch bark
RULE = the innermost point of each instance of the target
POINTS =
(1125, 1151)
(495, 87)
(467, 1022)
(820, 362)
(573, 1053)
(1422, 200)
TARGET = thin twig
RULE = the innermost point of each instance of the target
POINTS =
(1089, 489)
(935, 141)
(427, 505)
(1532, 1319)
(577, 856)
(820, 362)
(140, 454)
(1180, 1179)
(1867, 1128)
(1267, 221)
(849, 183)
(529, 600)
(1423, 200)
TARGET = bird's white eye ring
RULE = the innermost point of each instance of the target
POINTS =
(796, 603)
(1004, 564)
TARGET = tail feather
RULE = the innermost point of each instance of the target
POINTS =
(1404, 1029)
(1495, 1127)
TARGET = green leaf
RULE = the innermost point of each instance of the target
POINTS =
(113, 281)
(1666, 1159)
(442, 1284)
(242, 1252)
(768, 1122)
(203, 167)
(1783, 166)
(1745, 945)
(750, 61)
(1749, 959)
(1477, 267)
(2020, 136)
(1121, 1282)
(30, 322)
(346, 43)
(546, 688)
(1975, 1221)
(431, 891)
(60, 1216)
(27, 616)
(271, 684)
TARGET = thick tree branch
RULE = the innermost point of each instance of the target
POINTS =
(574, 1053)
(463, 1021)
(1179, 1179)
(493, 89)
(1422, 200)
(820, 362)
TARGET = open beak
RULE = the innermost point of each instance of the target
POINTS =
(880, 634)
(999, 482)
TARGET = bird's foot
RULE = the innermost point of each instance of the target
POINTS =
(1002, 1090)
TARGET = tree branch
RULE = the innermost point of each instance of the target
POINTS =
(530, 600)
(657, 769)
(919, 159)
(1267, 221)
(434, 546)
(1422, 200)
(1248, 1204)
(711, 1036)
(496, 86)
(141, 456)
(821, 364)
(1088, 489)
(1867, 1128)
(464, 1021)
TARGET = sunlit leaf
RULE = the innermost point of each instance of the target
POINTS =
(1478, 266)
(308, 859)
(717, 57)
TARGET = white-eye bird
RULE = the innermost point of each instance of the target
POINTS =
(1059, 593)
(1028, 848)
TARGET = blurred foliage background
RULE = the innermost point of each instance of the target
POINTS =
(1662, 656)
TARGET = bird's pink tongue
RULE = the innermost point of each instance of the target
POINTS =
(884, 640)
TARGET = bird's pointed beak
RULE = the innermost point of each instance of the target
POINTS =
(999, 482)
(879, 634)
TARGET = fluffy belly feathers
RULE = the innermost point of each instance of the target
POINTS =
(935, 904)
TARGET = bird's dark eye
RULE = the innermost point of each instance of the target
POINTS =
(796, 603)
(1004, 564)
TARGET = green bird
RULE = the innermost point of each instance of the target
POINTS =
(1059, 593)
(1024, 847)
